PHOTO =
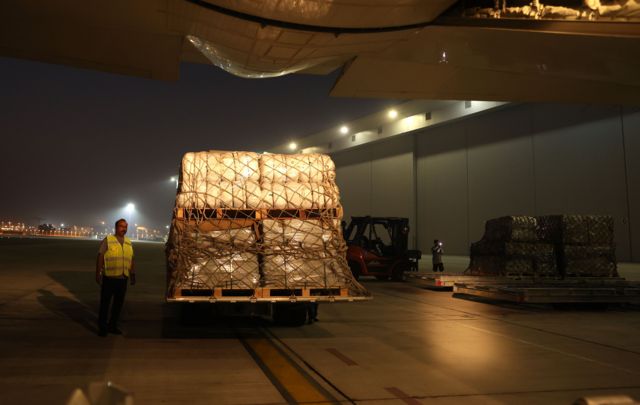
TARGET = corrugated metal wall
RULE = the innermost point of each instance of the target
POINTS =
(525, 159)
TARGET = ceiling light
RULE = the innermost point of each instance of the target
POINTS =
(293, 146)
(392, 114)
(344, 130)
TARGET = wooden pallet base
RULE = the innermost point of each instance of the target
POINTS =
(261, 293)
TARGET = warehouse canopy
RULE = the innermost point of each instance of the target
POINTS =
(561, 50)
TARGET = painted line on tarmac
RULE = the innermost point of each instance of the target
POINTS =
(293, 383)
(345, 359)
(403, 396)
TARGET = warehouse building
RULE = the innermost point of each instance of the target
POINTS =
(450, 166)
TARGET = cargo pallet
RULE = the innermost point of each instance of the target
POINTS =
(264, 294)
(570, 291)
(258, 214)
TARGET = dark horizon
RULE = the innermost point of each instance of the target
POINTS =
(79, 145)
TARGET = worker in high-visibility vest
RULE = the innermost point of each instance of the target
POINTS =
(114, 268)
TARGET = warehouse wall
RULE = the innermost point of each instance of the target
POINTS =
(580, 164)
(377, 179)
(442, 188)
(522, 160)
(631, 128)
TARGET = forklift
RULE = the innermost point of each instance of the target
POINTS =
(378, 246)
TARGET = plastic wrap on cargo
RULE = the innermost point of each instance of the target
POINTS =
(241, 238)
(235, 270)
(236, 194)
(299, 195)
(254, 195)
(310, 234)
(304, 168)
(232, 166)
(290, 271)
(246, 180)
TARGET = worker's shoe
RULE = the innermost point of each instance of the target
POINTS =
(114, 330)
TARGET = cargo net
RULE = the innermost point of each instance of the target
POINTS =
(247, 221)
(547, 246)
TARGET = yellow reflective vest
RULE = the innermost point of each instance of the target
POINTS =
(118, 258)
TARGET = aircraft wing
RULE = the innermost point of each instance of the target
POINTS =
(429, 49)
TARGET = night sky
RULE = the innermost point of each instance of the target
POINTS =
(78, 145)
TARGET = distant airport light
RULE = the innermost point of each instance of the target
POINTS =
(392, 114)
(173, 178)
(444, 58)
(61, 225)
(344, 130)
(130, 208)
(293, 146)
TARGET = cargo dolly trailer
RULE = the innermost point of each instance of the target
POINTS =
(258, 234)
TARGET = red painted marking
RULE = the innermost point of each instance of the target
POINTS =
(403, 396)
(342, 357)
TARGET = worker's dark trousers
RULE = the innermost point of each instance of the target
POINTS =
(438, 266)
(112, 288)
(312, 311)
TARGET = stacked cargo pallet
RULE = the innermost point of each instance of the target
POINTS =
(546, 246)
(510, 246)
(247, 221)
(584, 244)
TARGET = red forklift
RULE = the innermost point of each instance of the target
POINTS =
(378, 246)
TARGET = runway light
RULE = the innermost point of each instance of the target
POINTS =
(392, 114)
(344, 130)
(293, 146)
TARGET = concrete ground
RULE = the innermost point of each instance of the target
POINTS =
(406, 346)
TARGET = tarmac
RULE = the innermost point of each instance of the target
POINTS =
(408, 345)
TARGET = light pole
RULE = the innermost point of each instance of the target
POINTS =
(130, 210)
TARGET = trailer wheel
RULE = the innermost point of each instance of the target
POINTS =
(195, 313)
(398, 274)
(355, 270)
(290, 313)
